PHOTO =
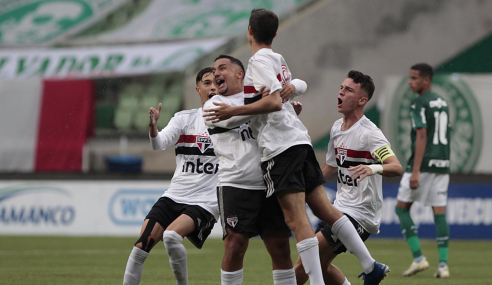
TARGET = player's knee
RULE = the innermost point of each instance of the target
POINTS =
(236, 244)
(146, 242)
(171, 238)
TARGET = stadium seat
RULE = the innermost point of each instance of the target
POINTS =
(127, 105)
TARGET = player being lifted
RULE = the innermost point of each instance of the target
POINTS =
(189, 207)
(426, 177)
(244, 210)
(358, 150)
(289, 165)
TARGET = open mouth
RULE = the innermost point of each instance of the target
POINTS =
(211, 95)
(339, 102)
(220, 83)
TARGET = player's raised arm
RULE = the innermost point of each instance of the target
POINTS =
(293, 89)
(166, 137)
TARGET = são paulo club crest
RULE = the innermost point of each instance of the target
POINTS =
(232, 220)
(342, 154)
(203, 143)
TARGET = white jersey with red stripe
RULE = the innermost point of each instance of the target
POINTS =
(195, 179)
(275, 131)
(362, 200)
(236, 148)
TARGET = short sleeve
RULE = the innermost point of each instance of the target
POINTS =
(417, 114)
(379, 146)
(330, 154)
(264, 75)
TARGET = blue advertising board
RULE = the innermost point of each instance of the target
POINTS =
(469, 212)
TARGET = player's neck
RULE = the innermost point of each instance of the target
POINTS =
(350, 119)
(257, 46)
(425, 90)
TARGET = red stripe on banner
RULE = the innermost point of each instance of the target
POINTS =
(250, 90)
(66, 120)
(279, 77)
(356, 153)
(187, 139)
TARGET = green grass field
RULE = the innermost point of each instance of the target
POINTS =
(89, 260)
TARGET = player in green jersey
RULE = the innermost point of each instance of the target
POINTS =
(426, 177)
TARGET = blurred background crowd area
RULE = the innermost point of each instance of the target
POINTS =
(77, 77)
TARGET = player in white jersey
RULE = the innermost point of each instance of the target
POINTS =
(189, 208)
(244, 209)
(290, 168)
(358, 150)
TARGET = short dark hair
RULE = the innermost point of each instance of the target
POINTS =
(366, 82)
(202, 72)
(233, 60)
(424, 69)
(264, 24)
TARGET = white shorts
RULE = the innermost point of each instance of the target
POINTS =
(433, 190)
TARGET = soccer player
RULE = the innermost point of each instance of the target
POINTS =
(359, 151)
(290, 169)
(189, 208)
(426, 177)
(244, 209)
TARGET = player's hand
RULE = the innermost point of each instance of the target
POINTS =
(297, 107)
(223, 112)
(264, 91)
(360, 172)
(414, 180)
(154, 115)
(288, 89)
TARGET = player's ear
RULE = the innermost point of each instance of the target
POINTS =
(240, 74)
(197, 90)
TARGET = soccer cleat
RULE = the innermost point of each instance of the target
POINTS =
(377, 274)
(442, 272)
(416, 267)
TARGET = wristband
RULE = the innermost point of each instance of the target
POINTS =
(376, 168)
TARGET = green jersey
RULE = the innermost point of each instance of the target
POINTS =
(431, 112)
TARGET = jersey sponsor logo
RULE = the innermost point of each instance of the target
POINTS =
(439, 163)
(232, 221)
(466, 135)
(342, 154)
(346, 179)
(199, 167)
(203, 143)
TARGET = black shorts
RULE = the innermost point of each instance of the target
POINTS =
(294, 169)
(249, 211)
(334, 242)
(165, 211)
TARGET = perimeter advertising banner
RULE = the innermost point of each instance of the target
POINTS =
(469, 212)
(112, 208)
(468, 98)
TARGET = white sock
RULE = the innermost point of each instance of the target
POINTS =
(346, 282)
(177, 256)
(309, 251)
(134, 266)
(284, 277)
(347, 234)
(231, 278)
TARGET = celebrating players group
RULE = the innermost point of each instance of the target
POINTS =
(245, 158)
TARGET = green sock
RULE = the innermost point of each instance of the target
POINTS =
(409, 230)
(442, 232)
